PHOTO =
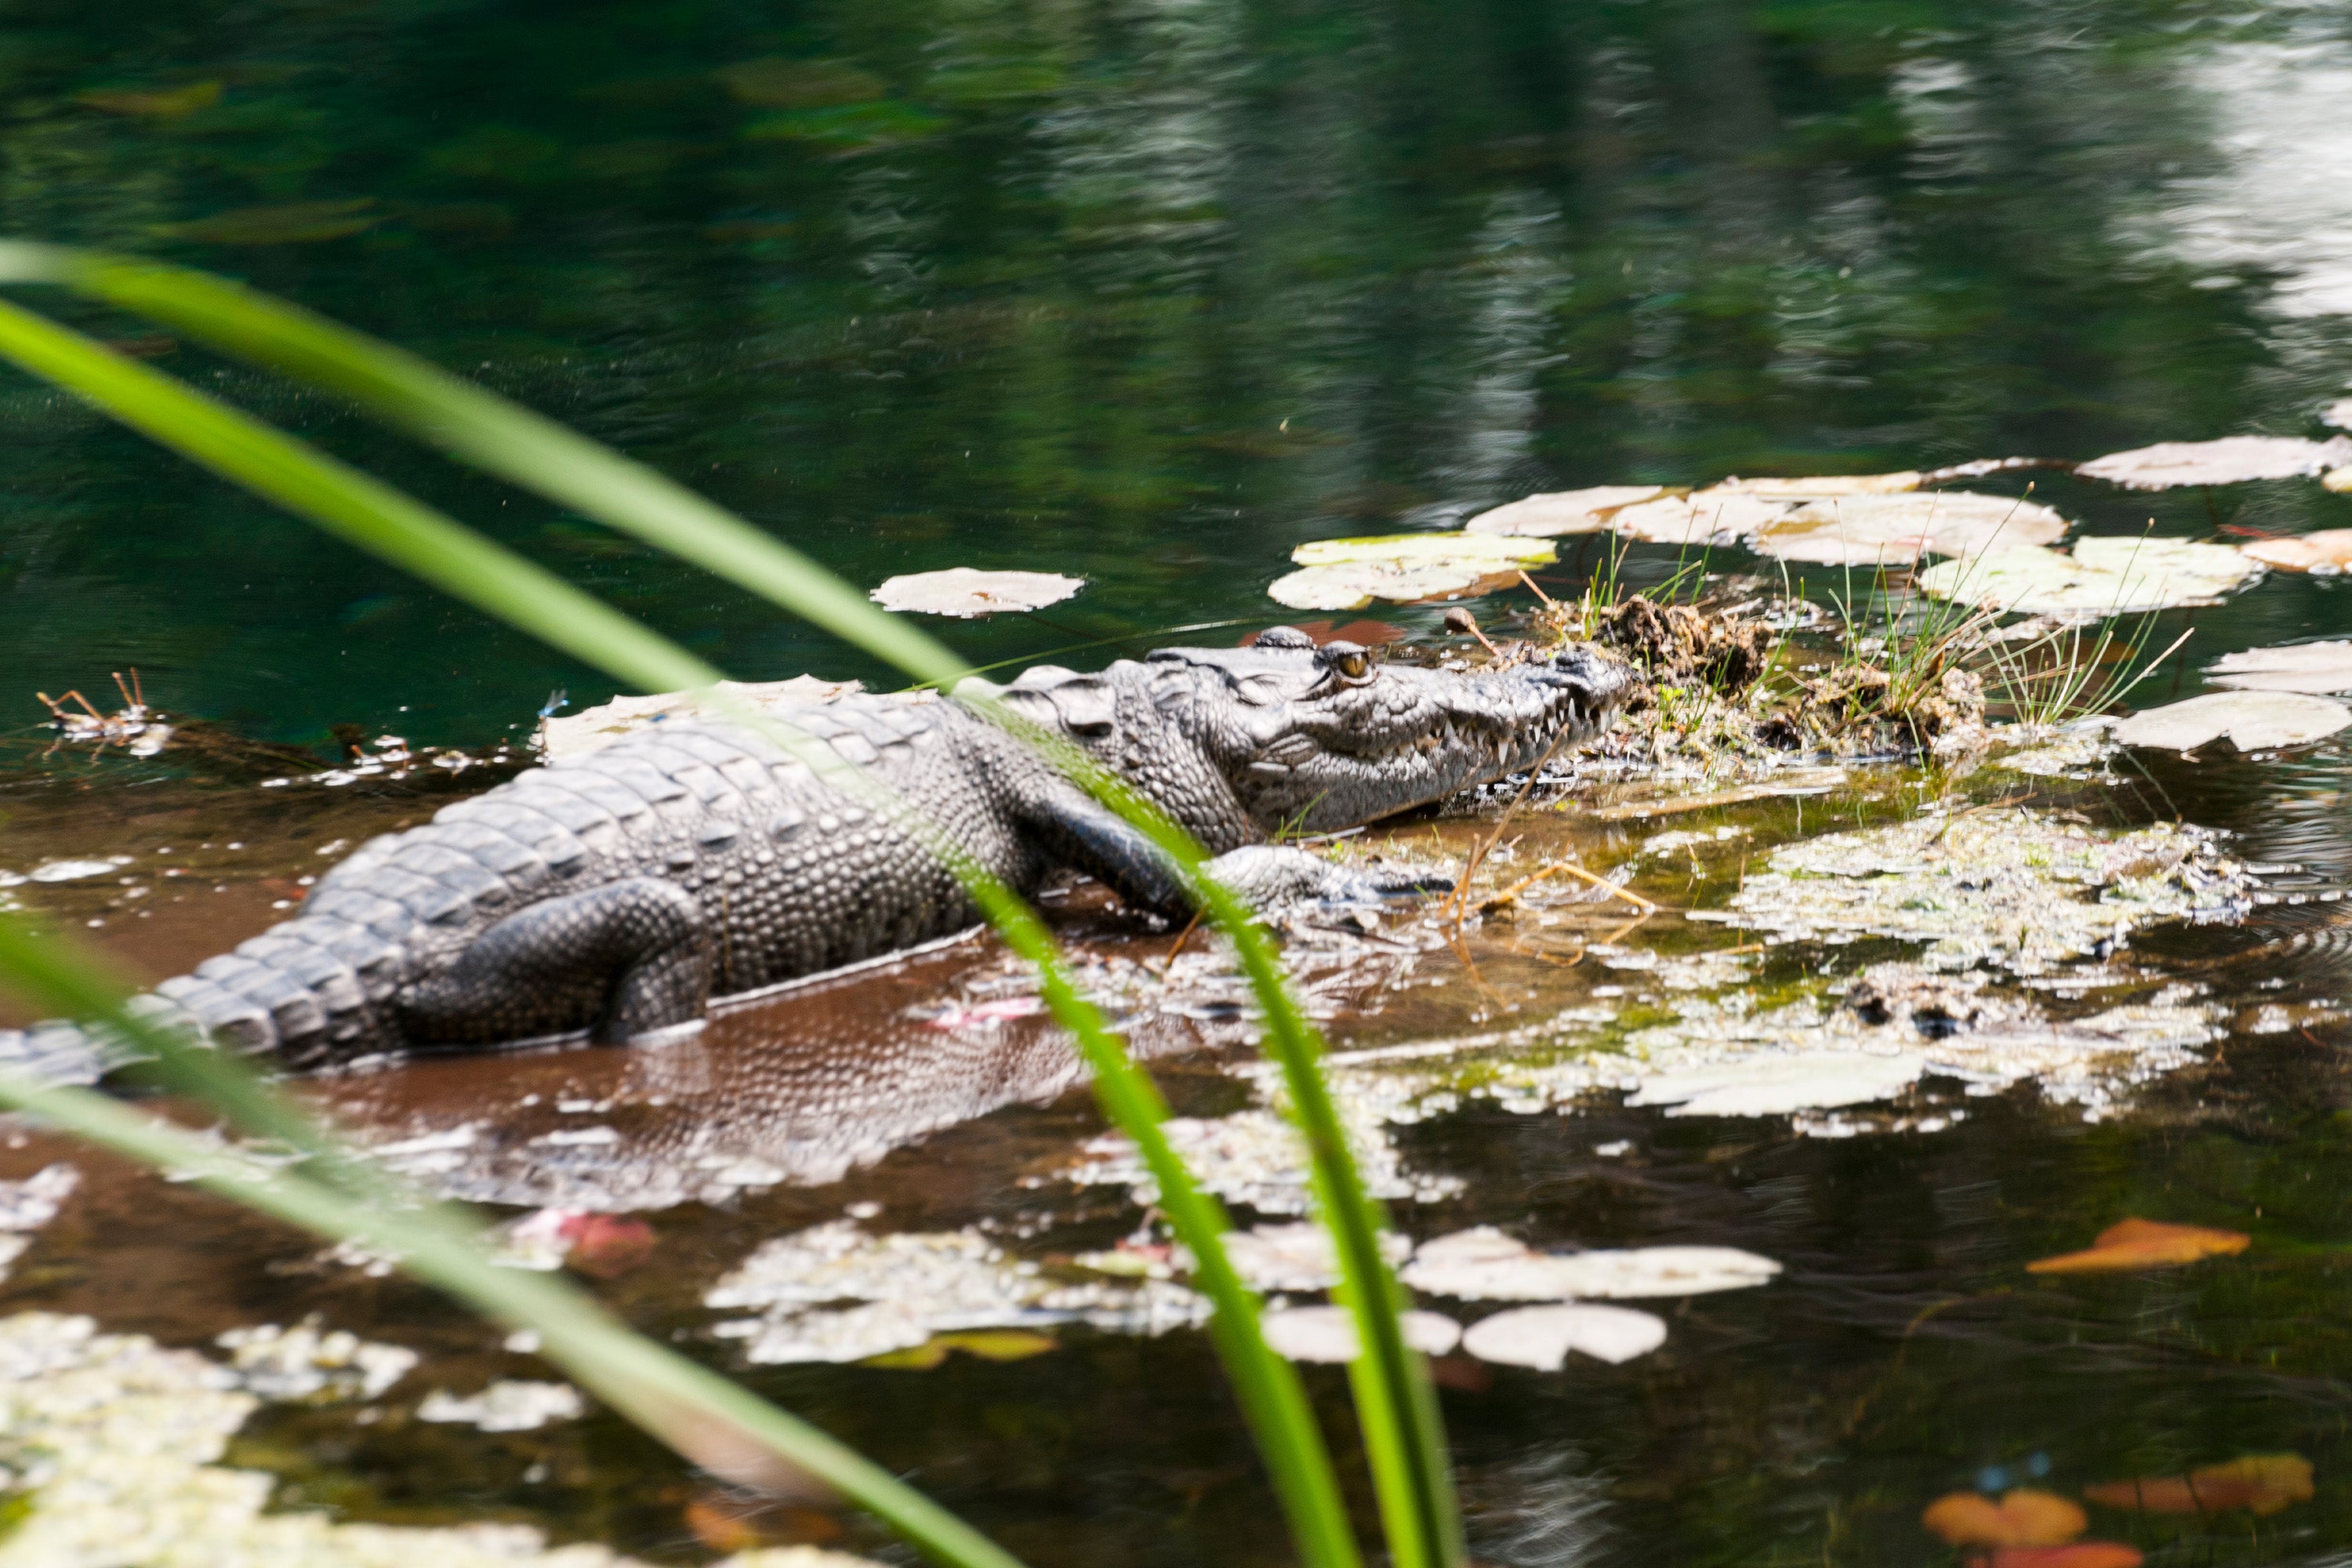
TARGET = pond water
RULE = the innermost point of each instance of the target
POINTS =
(1150, 293)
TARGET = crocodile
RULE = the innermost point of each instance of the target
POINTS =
(617, 894)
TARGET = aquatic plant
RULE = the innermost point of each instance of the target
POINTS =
(1396, 1406)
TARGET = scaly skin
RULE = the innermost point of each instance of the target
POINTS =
(618, 892)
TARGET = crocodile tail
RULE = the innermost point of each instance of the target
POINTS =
(56, 1053)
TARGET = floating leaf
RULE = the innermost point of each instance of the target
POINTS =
(1776, 1083)
(1549, 515)
(1708, 517)
(2134, 1244)
(774, 81)
(966, 594)
(2080, 1554)
(2318, 667)
(2338, 414)
(2102, 577)
(1484, 1265)
(988, 1345)
(1328, 1334)
(1868, 529)
(2338, 480)
(1828, 485)
(2022, 1518)
(2262, 1483)
(2231, 460)
(2253, 721)
(1541, 1337)
(1404, 568)
(2326, 552)
(156, 103)
(295, 222)
(1277, 1258)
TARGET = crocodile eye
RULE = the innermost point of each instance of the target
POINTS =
(1354, 665)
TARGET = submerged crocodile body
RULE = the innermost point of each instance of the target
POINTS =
(617, 894)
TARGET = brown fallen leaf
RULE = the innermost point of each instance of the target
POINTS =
(2081, 1555)
(2260, 1483)
(2022, 1518)
(2144, 1244)
(2329, 550)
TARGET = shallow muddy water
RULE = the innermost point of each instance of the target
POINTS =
(1150, 294)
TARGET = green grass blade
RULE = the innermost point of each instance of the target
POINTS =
(443, 552)
(702, 1416)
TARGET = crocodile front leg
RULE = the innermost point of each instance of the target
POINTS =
(622, 960)
(1075, 830)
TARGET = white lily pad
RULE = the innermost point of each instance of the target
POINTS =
(2327, 551)
(1708, 517)
(2252, 721)
(1278, 1257)
(1328, 1334)
(1557, 513)
(1484, 1265)
(2231, 460)
(1778, 1084)
(1868, 530)
(1405, 568)
(2338, 414)
(966, 594)
(1542, 1337)
(2338, 480)
(1828, 485)
(2321, 668)
(2112, 576)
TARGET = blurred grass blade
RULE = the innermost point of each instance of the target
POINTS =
(702, 1416)
(442, 551)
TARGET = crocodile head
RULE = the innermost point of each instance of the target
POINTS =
(1313, 739)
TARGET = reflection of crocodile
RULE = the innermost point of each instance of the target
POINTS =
(617, 892)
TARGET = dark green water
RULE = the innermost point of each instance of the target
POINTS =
(1150, 293)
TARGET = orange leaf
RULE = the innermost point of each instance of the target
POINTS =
(2263, 1483)
(2144, 1244)
(2081, 1554)
(2023, 1518)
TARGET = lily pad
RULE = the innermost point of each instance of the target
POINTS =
(1404, 568)
(2131, 1245)
(1542, 1337)
(2338, 414)
(1779, 1084)
(2251, 720)
(1828, 485)
(1328, 1334)
(2338, 480)
(2318, 667)
(1868, 529)
(966, 594)
(1484, 1265)
(295, 222)
(2110, 576)
(1562, 511)
(1708, 517)
(2233, 459)
(2327, 551)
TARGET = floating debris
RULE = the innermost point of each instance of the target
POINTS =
(2012, 888)
(1868, 530)
(561, 739)
(309, 1364)
(2137, 1244)
(2107, 576)
(2233, 459)
(509, 1405)
(1542, 1337)
(1404, 568)
(963, 593)
(2317, 668)
(2324, 554)
(2258, 721)
(1328, 1334)
(2022, 1518)
(115, 1443)
(1776, 1084)
(988, 1345)
(1558, 512)
(1484, 1265)
(911, 1286)
(74, 870)
(2259, 1483)
(1254, 1158)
